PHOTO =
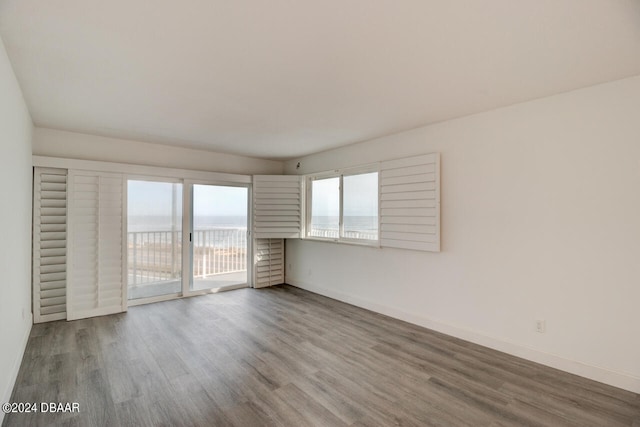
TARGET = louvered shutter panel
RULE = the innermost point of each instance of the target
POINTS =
(269, 262)
(49, 244)
(410, 203)
(95, 233)
(277, 211)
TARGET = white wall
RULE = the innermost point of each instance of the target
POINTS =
(15, 216)
(540, 220)
(72, 145)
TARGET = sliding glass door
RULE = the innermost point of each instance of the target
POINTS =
(154, 239)
(219, 250)
(211, 255)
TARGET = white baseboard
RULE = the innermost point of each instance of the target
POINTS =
(617, 379)
(6, 396)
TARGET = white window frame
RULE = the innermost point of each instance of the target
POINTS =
(187, 244)
(339, 173)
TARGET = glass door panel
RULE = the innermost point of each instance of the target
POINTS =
(219, 237)
(154, 238)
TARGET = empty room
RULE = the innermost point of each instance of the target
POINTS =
(320, 213)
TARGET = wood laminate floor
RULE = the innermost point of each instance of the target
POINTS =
(284, 356)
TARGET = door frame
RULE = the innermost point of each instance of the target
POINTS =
(187, 262)
(125, 239)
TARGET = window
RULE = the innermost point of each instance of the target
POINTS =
(360, 201)
(343, 206)
(325, 208)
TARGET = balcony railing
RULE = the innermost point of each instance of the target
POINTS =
(155, 256)
(333, 234)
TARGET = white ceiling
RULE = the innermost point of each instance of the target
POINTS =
(284, 78)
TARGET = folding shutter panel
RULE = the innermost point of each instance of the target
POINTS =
(95, 235)
(410, 203)
(277, 209)
(269, 262)
(49, 244)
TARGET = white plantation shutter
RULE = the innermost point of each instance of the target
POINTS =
(49, 244)
(410, 203)
(277, 207)
(95, 234)
(269, 262)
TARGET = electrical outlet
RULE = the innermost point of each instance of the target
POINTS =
(290, 267)
(541, 326)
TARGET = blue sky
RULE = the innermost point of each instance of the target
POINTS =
(360, 196)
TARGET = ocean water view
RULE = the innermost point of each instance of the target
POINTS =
(147, 223)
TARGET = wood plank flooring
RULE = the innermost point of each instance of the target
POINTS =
(286, 357)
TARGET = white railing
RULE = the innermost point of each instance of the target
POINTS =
(155, 256)
(219, 251)
(333, 234)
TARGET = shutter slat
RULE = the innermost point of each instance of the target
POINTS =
(53, 177)
(48, 252)
(53, 260)
(272, 224)
(56, 195)
(410, 237)
(56, 292)
(408, 171)
(280, 190)
(280, 219)
(53, 235)
(53, 227)
(276, 213)
(285, 230)
(422, 161)
(278, 201)
(409, 228)
(409, 195)
(409, 211)
(409, 179)
(289, 209)
(51, 277)
(53, 219)
(270, 196)
(53, 203)
(54, 186)
(57, 284)
(420, 186)
(54, 309)
(54, 300)
(53, 268)
(419, 203)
